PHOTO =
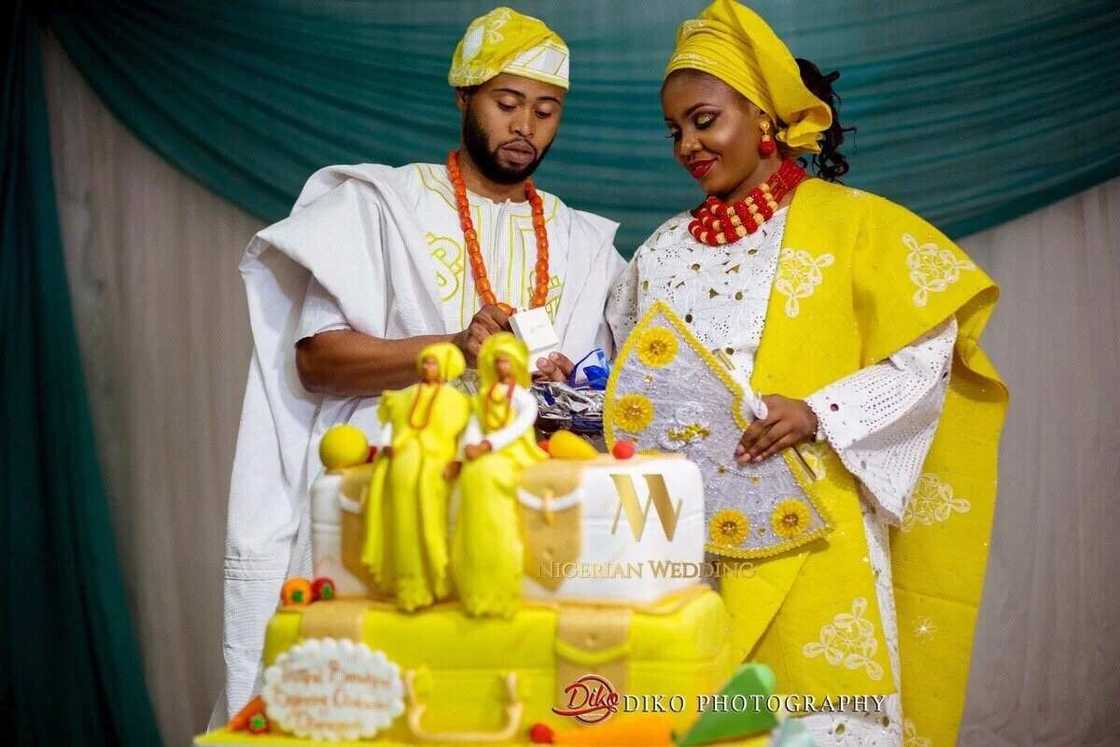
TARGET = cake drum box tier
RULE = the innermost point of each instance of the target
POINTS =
(583, 521)
(643, 630)
(613, 603)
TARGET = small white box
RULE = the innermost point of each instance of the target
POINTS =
(535, 329)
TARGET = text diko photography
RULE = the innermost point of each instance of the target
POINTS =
(592, 699)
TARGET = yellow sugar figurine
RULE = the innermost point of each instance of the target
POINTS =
(486, 551)
(406, 512)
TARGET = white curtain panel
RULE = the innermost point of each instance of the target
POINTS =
(1046, 668)
(163, 327)
(152, 261)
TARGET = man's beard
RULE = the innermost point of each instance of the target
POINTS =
(478, 146)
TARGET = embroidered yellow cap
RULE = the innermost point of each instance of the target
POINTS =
(505, 41)
(733, 43)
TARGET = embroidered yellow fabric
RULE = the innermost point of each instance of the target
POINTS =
(505, 41)
(876, 297)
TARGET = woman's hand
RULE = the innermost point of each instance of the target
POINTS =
(789, 423)
(556, 367)
(451, 471)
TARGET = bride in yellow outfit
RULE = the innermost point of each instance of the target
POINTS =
(406, 511)
(860, 323)
(486, 550)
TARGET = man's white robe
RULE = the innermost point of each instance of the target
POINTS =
(386, 245)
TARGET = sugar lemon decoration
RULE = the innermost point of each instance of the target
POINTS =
(567, 445)
(343, 446)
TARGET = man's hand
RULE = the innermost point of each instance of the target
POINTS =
(488, 321)
(789, 422)
(556, 367)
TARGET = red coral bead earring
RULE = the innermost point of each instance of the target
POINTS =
(766, 146)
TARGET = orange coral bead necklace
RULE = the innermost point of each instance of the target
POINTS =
(474, 251)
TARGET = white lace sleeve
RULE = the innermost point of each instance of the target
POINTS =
(622, 305)
(525, 407)
(320, 312)
(881, 420)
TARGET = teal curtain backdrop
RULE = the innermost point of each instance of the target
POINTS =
(970, 113)
(70, 672)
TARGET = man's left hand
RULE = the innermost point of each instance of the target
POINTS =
(556, 367)
(789, 422)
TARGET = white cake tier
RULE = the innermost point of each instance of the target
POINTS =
(597, 530)
(612, 530)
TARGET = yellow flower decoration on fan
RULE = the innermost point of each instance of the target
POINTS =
(657, 348)
(728, 527)
(634, 413)
(790, 518)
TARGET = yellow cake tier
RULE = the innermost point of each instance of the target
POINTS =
(461, 666)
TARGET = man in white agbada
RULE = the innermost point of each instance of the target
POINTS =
(371, 266)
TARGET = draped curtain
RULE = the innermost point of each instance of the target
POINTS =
(69, 666)
(970, 113)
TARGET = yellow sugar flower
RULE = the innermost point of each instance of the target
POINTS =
(634, 412)
(728, 528)
(657, 347)
(790, 518)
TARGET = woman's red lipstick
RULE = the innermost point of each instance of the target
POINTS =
(699, 169)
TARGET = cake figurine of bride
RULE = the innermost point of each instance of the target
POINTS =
(487, 554)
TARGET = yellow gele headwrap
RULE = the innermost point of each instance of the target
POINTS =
(734, 44)
(512, 348)
(505, 41)
(448, 357)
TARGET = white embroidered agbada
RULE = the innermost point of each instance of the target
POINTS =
(881, 428)
(378, 250)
